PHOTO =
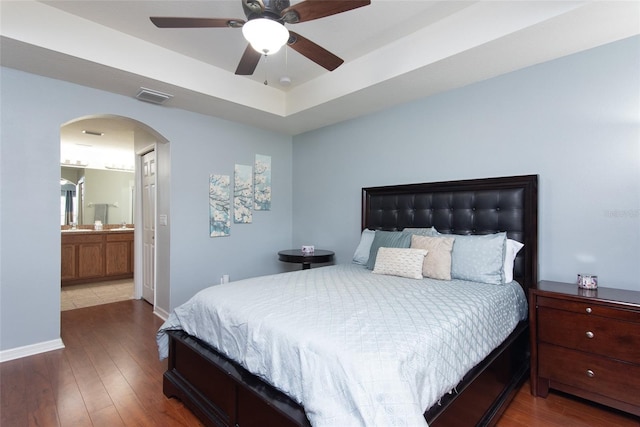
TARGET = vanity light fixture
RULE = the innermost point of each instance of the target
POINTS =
(75, 164)
(125, 168)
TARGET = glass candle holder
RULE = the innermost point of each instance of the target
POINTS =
(587, 281)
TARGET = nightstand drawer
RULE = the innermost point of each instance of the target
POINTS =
(589, 308)
(596, 374)
(605, 336)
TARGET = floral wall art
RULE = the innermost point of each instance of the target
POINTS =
(262, 183)
(243, 194)
(219, 205)
(251, 191)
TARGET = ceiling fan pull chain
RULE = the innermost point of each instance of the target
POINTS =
(266, 83)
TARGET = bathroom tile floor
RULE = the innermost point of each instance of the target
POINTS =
(90, 294)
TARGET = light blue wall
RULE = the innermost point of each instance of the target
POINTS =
(33, 108)
(215, 146)
(574, 121)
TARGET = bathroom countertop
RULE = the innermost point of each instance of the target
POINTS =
(91, 230)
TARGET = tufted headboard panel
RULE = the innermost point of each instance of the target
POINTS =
(478, 206)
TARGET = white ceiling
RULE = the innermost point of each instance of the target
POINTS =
(394, 52)
(98, 143)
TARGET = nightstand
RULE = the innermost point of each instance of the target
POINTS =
(295, 255)
(586, 343)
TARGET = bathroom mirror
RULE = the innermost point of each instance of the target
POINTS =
(90, 194)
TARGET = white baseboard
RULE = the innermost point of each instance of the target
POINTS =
(30, 350)
(160, 313)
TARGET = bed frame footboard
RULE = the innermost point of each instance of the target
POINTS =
(221, 393)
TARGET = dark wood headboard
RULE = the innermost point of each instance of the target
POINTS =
(476, 206)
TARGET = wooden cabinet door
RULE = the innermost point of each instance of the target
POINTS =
(90, 260)
(69, 263)
(118, 258)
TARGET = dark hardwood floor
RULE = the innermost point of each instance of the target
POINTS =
(561, 410)
(109, 375)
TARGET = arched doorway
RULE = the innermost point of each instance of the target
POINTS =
(113, 146)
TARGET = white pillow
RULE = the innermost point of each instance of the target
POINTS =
(403, 262)
(361, 256)
(512, 248)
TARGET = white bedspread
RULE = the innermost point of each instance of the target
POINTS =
(355, 348)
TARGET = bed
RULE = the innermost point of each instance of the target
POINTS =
(221, 392)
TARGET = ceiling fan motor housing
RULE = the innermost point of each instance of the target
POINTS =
(271, 9)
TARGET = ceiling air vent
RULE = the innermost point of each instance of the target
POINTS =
(153, 96)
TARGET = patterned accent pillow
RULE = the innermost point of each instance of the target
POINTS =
(479, 258)
(387, 239)
(437, 264)
(403, 262)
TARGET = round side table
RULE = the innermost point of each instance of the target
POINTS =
(296, 256)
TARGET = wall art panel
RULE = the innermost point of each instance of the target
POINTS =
(243, 194)
(262, 183)
(219, 205)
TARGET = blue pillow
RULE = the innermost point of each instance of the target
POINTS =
(361, 256)
(387, 239)
(478, 258)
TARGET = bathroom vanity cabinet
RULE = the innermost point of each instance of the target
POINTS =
(93, 256)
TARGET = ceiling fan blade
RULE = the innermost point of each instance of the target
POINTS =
(248, 62)
(178, 22)
(315, 9)
(316, 53)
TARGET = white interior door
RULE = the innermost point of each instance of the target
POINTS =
(149, 226)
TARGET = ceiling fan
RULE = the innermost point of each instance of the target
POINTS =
(274, 13)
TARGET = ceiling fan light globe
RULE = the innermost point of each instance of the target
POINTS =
(265, 35)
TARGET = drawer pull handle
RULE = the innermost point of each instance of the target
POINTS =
(590, 373)
(588, 310)
(589, 334)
